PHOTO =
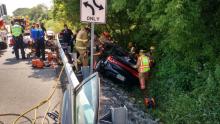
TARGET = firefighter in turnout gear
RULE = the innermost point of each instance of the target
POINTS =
(81, 46)
(143, 66)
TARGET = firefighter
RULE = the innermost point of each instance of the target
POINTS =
(143, 66)
(81, 46)
(105, 38)
(132, 49)
(17, 36)
(151, 56)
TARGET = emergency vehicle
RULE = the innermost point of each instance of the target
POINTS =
(23, 21)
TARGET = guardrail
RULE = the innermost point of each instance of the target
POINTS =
(68, 115)
(69, 71)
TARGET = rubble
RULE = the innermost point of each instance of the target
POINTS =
(113, 96)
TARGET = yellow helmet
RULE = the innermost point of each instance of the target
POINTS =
(152, 48)
(141, 52)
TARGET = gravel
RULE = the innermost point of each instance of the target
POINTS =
(114, 96)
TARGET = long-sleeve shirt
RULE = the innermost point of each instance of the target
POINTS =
(34, 34)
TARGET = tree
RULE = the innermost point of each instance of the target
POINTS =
(185, 81)
(37, 13)
(21, 12)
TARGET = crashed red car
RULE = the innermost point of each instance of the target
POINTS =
(117, 64)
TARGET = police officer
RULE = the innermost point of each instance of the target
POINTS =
(17, 35)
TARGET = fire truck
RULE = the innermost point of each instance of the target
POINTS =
(22, 20)
(3, 35)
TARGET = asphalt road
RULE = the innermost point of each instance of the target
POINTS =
(22, 87)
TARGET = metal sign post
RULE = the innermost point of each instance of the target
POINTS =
(92, 44)
(93, 11)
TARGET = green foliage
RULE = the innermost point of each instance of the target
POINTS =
(53, 25)
(186, 79)
(21, 12)
(36, 14)
(67, 11)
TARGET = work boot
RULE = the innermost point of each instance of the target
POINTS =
(149, 102)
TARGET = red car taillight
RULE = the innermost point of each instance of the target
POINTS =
(113, 61)
(110, 59)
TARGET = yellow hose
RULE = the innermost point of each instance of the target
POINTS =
(49, 105)
(43, 101)
(35, 116)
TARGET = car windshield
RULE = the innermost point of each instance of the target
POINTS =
(87, 102)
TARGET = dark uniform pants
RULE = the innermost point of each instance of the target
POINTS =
(40, 48)
(19, 44)
(70, 44)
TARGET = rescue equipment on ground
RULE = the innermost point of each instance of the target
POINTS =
(37, 63)
(49, 56)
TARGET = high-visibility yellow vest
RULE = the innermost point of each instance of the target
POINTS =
(16, 30)
(145, 64)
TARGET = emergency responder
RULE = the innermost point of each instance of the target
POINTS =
(40, 45)
(43, 28)
(151, 56)
(19, 44)
(97, 48)
(105, 38)
(81, 46)
(143, 65)
(132, 49)
(33, 32)
(68, 37)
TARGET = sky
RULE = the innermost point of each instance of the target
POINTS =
(12, 5)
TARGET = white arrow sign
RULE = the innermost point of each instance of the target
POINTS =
(93, 11)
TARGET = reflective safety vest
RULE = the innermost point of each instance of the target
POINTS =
(145, 64)
(16, 30)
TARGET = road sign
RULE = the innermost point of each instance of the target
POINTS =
(93, 11)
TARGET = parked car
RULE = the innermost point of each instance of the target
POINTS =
(3, 40)
(117, 64)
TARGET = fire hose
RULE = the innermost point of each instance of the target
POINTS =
(35, 108)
